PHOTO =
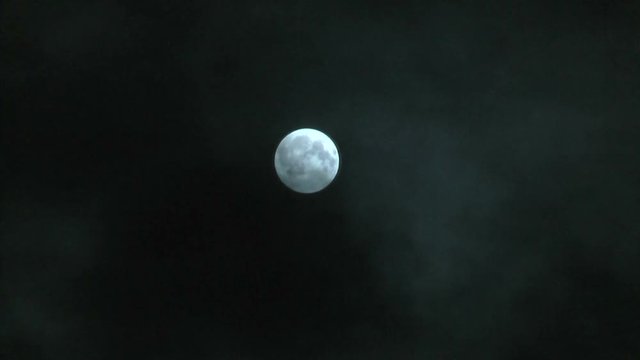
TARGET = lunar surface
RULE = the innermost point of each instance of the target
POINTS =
(306, 161)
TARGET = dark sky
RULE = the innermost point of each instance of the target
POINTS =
(487, 205)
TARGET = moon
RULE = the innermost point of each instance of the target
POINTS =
(306, 160)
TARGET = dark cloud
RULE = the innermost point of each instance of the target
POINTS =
(486, 205)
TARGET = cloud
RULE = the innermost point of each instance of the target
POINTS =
(46, 252)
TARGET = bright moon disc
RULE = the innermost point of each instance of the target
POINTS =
(306, 161)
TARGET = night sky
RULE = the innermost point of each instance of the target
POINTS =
(487, 205)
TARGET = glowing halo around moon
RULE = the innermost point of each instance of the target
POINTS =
(306, 160)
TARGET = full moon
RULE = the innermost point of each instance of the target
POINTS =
(306, 161)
